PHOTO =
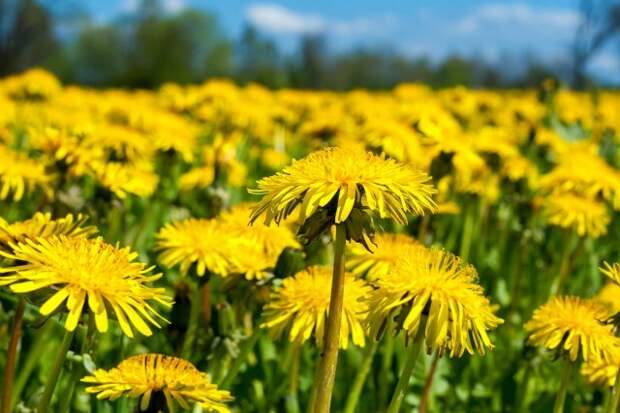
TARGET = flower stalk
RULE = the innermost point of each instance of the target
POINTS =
(360, 378)
(405, 376)
(52, 379)
(76, 370)
(11, 361)
(195, 310)
(329, 359)
(615, 396)
(567, 371)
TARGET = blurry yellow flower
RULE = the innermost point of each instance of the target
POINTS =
(433, 289)
(609, 296)
(77, 270)
(300, 306)
(123, 179)
(146, 375)
(33, 84)
(272, 238)
(197, 178)
(575, 326)
(586, 216)
(20, 174)
(42, 225)
(237, 174)
(377, 264)
(583, 172)
(344, 180)
(201, 242)
(612, 271)
(600, 371)
(66, 146)
(274, 159)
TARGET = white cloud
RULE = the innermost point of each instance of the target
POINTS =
(129, 6)
(173, 6)
(518, 14)
(277, 19)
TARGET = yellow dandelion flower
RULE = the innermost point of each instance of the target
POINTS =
(601, 372)
(149, 375)
(35, 83)
(201, 242)
(586, 216)
(583, 171)
(272, 238)
(123, 179)
(435, 289)
(257, 247)
(575, 326)
(77, 270)
(42, 225)
(377, 264)
(609, 295)
(20, 174)
(611, 271)
(344, 180)
(301, 306)
(197, 178)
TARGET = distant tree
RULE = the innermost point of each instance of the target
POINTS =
(26, 35)
(100, 57)
(454, 71)
(259, 60)
(600, 22)
(313, 56)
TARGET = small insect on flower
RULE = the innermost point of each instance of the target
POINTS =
(433, 289)
(343, 181)
(77, 270)
(42, 225)
(575, 326)
(152, 375)
(301, 305)
(377, 264)
(201, 242)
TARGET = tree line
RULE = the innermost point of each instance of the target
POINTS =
(149, 47)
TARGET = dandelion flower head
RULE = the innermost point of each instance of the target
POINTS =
(147, 374)
(79, 270)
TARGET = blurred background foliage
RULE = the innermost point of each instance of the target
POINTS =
(148, 47)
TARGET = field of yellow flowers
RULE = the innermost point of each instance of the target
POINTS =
(219, 248)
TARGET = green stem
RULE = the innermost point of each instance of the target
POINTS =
(405, 376)
(428, 385)
(39, 343)
(568, 255)
(195, 310)
(50, 385)
(360, 378)
(522, 391)
(244, 352)
(11, 358)
(76, 370)
(386, 365)
(558, 407)
(329, 359)
(468, 228)
(615, 395)
(292, 403)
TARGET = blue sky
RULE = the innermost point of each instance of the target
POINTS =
(501, 31)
